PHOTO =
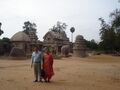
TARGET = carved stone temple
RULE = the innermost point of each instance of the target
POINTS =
(25, 42)
(79, 48)
(55, 40)
(52, 39)
(22, 41)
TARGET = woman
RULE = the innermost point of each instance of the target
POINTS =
(48, 65)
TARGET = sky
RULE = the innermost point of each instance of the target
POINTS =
(81, 14)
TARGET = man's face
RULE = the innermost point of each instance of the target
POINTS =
(35, 49)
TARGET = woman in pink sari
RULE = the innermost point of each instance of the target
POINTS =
(48, 65)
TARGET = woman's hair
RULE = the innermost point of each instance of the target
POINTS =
(46, 49)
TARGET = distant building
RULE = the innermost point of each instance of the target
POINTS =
(33, 36)
(55, 40)
(21, 40)
(52, 39)
(25, 42)
(79, 48)
(34, 40)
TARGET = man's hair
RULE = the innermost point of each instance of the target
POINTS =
(36, 47)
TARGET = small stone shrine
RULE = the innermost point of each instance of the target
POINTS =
(79, 48)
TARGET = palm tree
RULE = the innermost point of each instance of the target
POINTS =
(72, 30)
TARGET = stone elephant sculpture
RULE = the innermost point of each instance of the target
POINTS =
(65, 50)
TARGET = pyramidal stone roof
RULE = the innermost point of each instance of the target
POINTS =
(57, 35)
(20, 36)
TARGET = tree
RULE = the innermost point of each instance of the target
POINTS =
(119, 1)
(110, 33)
(59, 27)
(28, 26)
(6, 46)
(104, 28)
(72, 30)
(30, 30)
(1, 31)
(107, 36)
(92, 45)
(115, 15)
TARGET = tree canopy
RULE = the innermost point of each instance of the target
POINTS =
(59, 27)
(72, 29)
(6, 45)
(28, 26)
(110, 32)
(92, 45)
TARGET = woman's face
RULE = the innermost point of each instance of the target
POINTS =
(47, 51)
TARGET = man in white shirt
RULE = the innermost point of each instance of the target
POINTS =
(36, 64)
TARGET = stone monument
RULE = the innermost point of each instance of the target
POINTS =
(79, 48)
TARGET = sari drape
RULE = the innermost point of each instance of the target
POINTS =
(48, 65)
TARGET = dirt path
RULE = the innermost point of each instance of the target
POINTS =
(92, 73)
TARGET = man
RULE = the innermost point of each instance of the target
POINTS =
(36, 63)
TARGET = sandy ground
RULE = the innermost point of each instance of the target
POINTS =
(92, 73)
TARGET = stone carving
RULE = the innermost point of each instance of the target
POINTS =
(26, 42)
(17, 52)
(55, 40)
(65, 50)
(21, 40)
(79, 48)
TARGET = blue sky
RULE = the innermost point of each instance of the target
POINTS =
(82, 14)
